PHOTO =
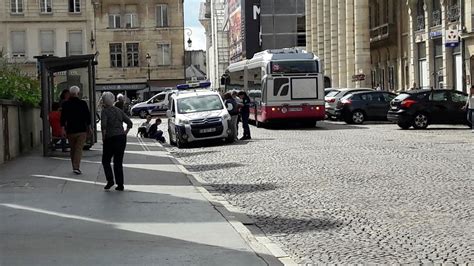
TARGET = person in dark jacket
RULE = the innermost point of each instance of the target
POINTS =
(245, 113)
(75, 124)
(114, 139)
(155, 133)
(233, 110)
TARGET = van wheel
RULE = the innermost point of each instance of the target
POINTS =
(420, 121)
(142, 114)
(180, 143)
(171, 140)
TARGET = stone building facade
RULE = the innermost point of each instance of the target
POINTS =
(213, 18)
(30, 28)
(393, 44)
(140, 45)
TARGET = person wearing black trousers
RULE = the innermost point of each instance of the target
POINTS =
(245, 113)
(114, 140)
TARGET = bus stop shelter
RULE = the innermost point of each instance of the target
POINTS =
(59, 73)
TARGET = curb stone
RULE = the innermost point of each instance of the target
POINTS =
(254, 236)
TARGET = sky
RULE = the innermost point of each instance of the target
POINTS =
(191, 21)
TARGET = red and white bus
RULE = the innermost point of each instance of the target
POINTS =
(284, 84)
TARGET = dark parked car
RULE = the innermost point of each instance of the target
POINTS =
(420, 108)
(358, 107)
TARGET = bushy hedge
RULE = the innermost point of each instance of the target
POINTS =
(15, 85)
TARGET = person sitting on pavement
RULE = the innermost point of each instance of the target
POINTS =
(144, 127)
(155, 133)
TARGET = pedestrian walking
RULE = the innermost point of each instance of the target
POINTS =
(120, 103)
(245, 113)
(470, 107)
(233, 110)
(114, 139)
(75, 124)
(63, 97)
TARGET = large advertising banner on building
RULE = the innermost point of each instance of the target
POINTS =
(252, 38)
(235, 30)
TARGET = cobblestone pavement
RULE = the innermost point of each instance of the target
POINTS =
(351, 194)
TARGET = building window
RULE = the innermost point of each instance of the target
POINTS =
(75, 42)
(47, 42)
(45, 6)
(115, 55)
(424, 79)
(164, 54)
(301, 29)
(162, 16)
(18, 43)
(75, 6)
(438, 61)
(131, 17)
(114, 17)
(132, 54)
(17, 6)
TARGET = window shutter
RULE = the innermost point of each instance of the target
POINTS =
(75, 42)
(47, 42)
(18, 42)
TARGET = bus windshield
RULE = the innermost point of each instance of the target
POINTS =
(284, 67)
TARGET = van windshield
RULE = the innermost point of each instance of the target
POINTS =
(199, 104)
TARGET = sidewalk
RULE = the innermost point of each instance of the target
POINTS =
(49, 216)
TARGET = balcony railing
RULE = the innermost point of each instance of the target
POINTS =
(453, 13)
(420, 23)
(436, 18)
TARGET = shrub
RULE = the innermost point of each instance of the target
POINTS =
(16, 85)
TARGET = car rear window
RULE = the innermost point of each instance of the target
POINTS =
(332, 93)
(401, 97)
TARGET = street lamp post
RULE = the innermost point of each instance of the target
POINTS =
(148, 59)
(188, 32)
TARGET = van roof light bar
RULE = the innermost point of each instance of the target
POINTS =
(195, 85)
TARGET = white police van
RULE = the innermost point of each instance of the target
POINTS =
(156, 105)
(197, 114)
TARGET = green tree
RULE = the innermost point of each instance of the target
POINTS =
(16, 85)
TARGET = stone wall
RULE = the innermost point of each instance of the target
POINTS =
(20, 129)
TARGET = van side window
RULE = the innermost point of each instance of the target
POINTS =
(159, 98)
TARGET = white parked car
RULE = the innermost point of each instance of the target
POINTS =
(156, 105)
(197, 115)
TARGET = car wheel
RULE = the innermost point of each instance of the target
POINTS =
(420, 121)
(358, 117)
(142, 114)
(404, 125)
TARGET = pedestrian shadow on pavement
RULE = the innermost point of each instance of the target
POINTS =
(211, 167)
(242, 188)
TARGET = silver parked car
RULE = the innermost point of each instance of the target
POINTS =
(333, 97)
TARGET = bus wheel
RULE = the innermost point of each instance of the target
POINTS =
(310, 123)
(258, 124)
